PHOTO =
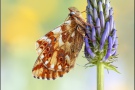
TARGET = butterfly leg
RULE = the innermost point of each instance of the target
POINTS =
(83, 32)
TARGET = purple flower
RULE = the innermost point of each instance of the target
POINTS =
(114, 36)
(106, 11)
(98, 29)
(104, 35)
(108, 54)
(100, 6)
(95, 14)
(110, 12)
(111, 22)
(104, 42)
(115, 45)
(89, 19)
(102, 20)
(88, 49)
(93, 36)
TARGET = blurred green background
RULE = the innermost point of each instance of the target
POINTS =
(25, 21)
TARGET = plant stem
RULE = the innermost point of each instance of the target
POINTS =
(100, 76)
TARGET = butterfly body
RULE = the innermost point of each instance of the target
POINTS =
(59, 48)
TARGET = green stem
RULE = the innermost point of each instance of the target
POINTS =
(100, 76)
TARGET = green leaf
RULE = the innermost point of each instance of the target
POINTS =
(110, 67)
(92, 65)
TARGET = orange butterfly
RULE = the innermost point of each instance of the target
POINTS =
(59, 48)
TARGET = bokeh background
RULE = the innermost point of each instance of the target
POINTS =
(25, 21)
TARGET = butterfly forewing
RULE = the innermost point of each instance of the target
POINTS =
(58, 50)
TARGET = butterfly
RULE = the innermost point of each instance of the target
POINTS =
(59, 48)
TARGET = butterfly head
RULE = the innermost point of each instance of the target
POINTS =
(74, 11)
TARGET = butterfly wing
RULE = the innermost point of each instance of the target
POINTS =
(57, 51)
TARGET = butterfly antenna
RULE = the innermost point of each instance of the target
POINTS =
(83, 11)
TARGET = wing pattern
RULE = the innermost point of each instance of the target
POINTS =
(57, 50)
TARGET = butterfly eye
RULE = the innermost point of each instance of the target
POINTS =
(72, 13)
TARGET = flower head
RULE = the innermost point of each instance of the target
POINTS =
(103, 42)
